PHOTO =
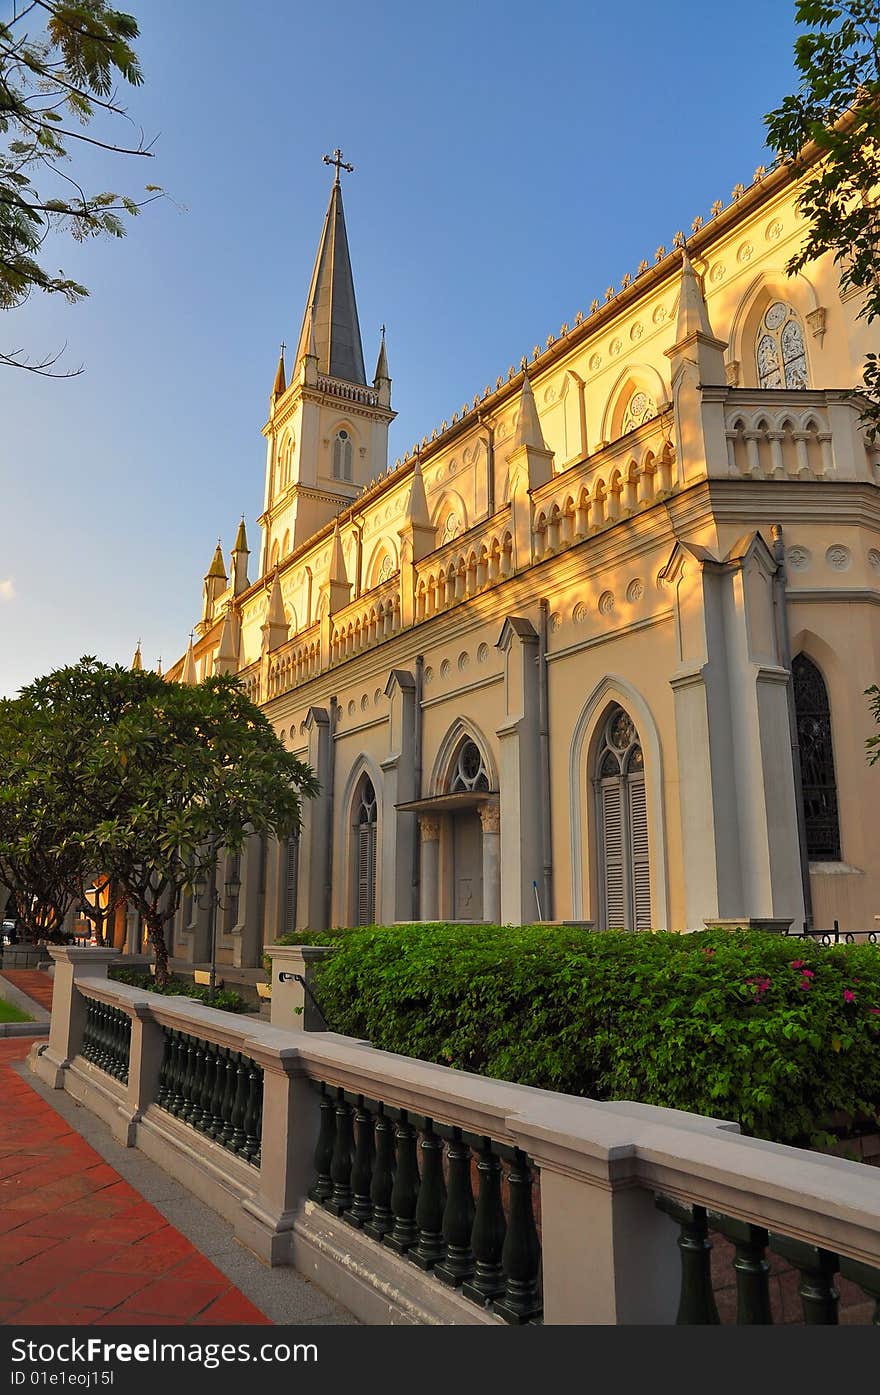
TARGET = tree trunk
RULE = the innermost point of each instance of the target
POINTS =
(156, 931)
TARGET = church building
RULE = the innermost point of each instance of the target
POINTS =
(596, 648)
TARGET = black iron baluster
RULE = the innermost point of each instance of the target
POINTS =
(214, 1127)
(487, 1237)
(322, 1187)
(361, 1209)
(868, 1280)
(258, 1156)
(697, 1303)
(817, 1268)
(165, 1069)
(458, 1214)
(225, 1137)
(126, 1047)
(100, 1057)
(405, 1191)
(431, 1247)
(521, 1254)
(185, 1111)
(383, 1178)
(340, 1164)
(87, 1050)
(251, 1137)
(180, 1070)
(207, 1086)
(241, 1083)
(751, 1269)
(172, 1097)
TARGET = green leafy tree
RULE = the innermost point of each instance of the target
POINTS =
(835, 115)
(148, 781)
(37, 860)
(59, 63)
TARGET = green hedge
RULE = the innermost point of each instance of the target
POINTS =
(779, 1034)
(225, 998)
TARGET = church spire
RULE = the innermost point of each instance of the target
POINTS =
(188, 673)
(331, 317)
(280, 381)
(382, 363)
(137, 662)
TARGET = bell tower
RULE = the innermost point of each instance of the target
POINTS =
(327, 432)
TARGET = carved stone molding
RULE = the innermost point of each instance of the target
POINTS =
(429, 829)
(732, 372)
(816, 321)
(490, 817)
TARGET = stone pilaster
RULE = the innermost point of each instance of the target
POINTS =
(520, 853)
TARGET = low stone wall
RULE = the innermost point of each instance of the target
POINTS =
(407, 1190)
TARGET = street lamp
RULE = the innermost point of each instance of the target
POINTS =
(232, 887)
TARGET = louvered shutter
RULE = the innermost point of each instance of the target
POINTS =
(640, 874)
(366, 873)
(612, 856)
(290, 889)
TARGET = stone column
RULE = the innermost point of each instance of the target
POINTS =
(69, 1008)
(292, 1008)
(290, 1127)
(429, 892)
(490, 818)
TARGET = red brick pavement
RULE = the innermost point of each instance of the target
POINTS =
(36, 983)
(78, 1245)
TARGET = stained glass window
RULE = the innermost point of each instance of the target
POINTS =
(818, 783)
(781, 356)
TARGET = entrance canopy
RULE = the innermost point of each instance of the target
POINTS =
(449, 803)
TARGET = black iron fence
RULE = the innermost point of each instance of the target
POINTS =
(107, 1039)
(817, 1268)
(406, 1181)
(217, 1091)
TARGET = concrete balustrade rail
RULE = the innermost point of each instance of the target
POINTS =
(291, 1133)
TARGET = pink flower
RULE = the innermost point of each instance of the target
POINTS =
(848, 995)
(875, 1010)
(708, 953)
(796, 964)
(808, 973)
(805, 984)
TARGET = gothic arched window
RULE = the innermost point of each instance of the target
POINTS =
(641, 407)
(469, 770)
(818, 785)
(780, 352)
(342, 456)
(366, 820)
(622, 826)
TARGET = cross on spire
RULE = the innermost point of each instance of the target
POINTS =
(337, 160)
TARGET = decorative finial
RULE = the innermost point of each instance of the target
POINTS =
(660, 253)
(337, 160)
(717, 207)
(697, 224)
(678, 239)
(738, 191)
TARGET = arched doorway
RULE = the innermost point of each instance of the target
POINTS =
(623, 866)
(468, 775)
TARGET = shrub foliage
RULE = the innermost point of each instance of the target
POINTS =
(778, 1034)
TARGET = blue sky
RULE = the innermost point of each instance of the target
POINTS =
(511, 161)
